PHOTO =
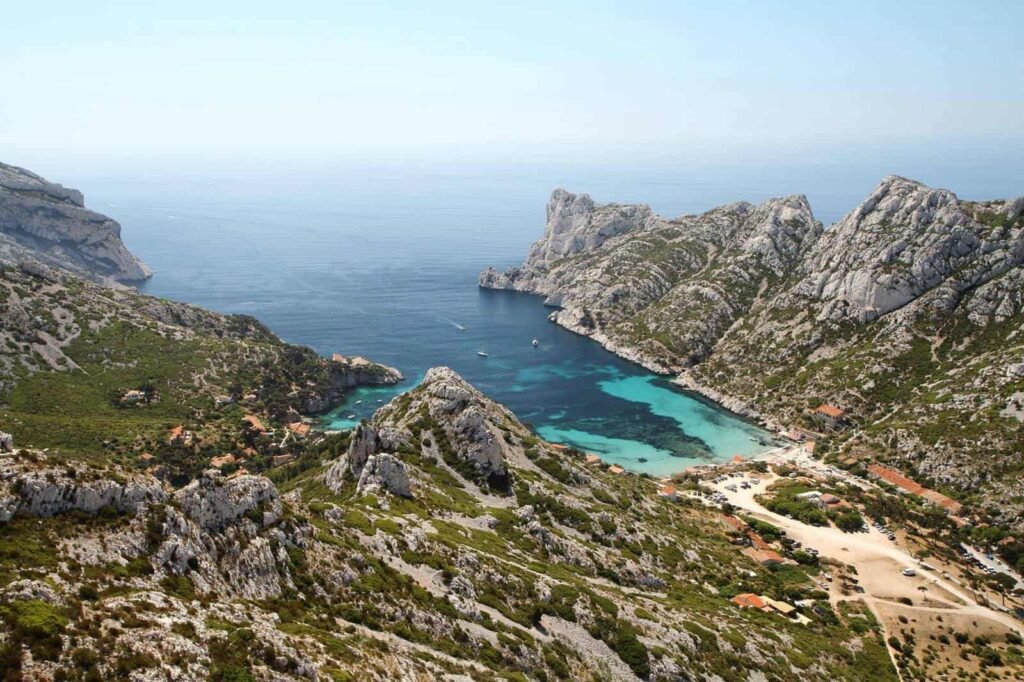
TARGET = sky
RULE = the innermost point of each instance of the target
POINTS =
(304, 78)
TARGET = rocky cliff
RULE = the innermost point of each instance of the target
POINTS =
(907, 313)
(657, 291)
(43, 221)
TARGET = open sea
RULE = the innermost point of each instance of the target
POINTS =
(382, 260)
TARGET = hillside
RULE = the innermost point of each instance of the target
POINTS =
(907, 314)
(442, 540)
(104, 373)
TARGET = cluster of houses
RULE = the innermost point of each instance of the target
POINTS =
(769, 605)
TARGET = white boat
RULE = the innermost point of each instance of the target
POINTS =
(536, 343)
(481, 354)
(351, 416)
(359, 402)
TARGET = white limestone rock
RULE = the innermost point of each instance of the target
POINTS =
(385, 472)
(51, 491)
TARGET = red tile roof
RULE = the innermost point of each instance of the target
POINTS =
(758, 541)
(830, 411)
(734, 522)
(298, 428)
(915, 488)
(254, 422)
(748, 601)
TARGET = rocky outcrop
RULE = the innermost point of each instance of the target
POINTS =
(904, 312)
(48, 491)
(906, 240)
(226, 535)
(385, 472)
(43, 221)
(369, 464)
(345, 373)
(466, 426)
(352, 371)
(656, 291)
(576, 224)
(213, 502)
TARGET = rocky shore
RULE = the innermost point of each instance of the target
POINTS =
(894, 314)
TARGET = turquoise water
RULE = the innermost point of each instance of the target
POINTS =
(382, 261)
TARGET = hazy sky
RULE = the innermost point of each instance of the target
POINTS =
(337, 77)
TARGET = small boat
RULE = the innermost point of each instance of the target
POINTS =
(481, 354)
(359, 402)
(380, 401)
(536, 343)
(351, 416)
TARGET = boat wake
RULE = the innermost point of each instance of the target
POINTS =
(454, 324)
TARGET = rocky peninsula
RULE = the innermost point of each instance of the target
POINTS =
(906, 314)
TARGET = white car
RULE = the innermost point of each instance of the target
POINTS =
(909, 572)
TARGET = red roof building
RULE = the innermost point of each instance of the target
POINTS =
(749, 601)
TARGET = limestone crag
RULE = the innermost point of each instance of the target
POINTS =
(384, 472)
(43, 221)
(49, 491)
(906, 314)
(468, 425)
(213, 502)
(369, 463)
(904, 241)
(576, 224)
(228, 536)
(657, 291)
(344, 374)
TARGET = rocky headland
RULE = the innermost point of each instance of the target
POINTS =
(907, 314)
(46, 222)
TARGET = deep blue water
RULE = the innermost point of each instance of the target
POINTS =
(382, 261)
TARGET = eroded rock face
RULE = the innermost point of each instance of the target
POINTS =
(656, 291)
(49, 491)
(369, 464)
(387, 472)
(576, 224)
(212, 501)
(45, 221)
(903, 241)
(465, 427)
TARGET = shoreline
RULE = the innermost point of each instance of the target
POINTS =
(678, 376)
